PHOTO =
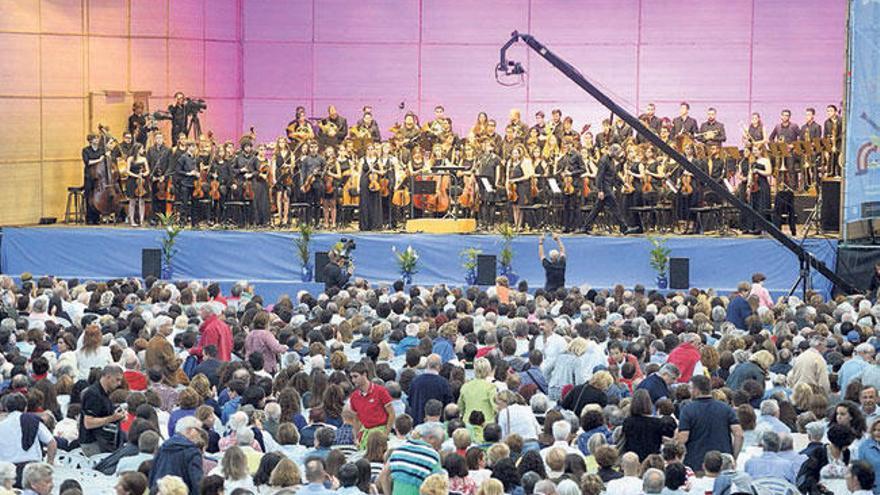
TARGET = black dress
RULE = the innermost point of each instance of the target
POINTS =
(523, 187)
(262, 214)
(137, 167)
(644, 434)
(370, 201)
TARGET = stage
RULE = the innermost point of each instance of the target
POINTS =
(268, 259)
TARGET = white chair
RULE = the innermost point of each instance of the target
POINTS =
(774, 486)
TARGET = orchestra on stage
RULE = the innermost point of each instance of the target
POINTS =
(550, 174)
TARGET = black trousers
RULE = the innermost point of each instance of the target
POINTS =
(609, 205)
(187, 204)
(785, 206)
(570, 212)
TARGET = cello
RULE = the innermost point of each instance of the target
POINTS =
(107, 193)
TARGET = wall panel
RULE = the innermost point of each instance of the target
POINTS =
(61, 59)
(20, 65)
(149, 18)
(347, 21)
(277, 20)
(20, 131)
(61, 16)
(63, 128)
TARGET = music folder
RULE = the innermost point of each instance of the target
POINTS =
(487, 186)
(554, 186)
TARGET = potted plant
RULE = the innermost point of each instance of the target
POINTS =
(303, 243)
(469, 263)
(505, 256)
(170, 230)
(659, 259)
(407, 262)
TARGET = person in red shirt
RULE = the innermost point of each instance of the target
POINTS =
(213, 331)
(136, 380)
(216, 295)
(686, 356)
(371, 403)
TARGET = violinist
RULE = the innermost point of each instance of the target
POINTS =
(244, 165)
(468, 162)
(541, 170)
(262, 181)
(220, 177)
(92, 156)
(370, 197)
(138, 183)
(519, 175)
(715, 167)
(389, 165)
(569, 169)
(759, 188)
(158, 156)
(590, 159)
(283, 162)
(632, 191)
(185, 175)
(688, 195)
(332, 178)
(606, 176)
(125, 148)
(401, 195)
(311, 167)
(654, 174)
(488, 168)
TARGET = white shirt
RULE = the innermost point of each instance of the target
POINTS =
(628, 485)
(551, 346)
(569, 449)
(519, 419)
(85, 361)
(10, 447)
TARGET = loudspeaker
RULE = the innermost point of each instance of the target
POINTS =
(679, 273)
(830, 214)
(321, 260)
(486, 269)
(47, 220)
(151, 263)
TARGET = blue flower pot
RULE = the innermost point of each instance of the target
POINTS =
(470, 277)
(507, 271)
(306, 273)
(662, 281)
(167, 271)
(406, 277)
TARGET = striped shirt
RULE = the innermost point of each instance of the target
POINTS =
(412, 462)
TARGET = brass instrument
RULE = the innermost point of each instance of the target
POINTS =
(328, 128)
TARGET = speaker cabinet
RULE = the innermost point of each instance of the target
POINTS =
(151, 263)
(486, 269)
(679, 273)
(830, 214)
(321, 260)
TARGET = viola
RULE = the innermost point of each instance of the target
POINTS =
(247, 190)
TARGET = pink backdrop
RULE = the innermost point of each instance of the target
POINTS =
(737, 55)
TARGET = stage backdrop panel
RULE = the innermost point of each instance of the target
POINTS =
(862, 196)
(736, 55)
(58, 51)
(269, 258)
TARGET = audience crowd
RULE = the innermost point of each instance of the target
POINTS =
(147, 386)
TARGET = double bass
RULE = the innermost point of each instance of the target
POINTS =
(107, 193)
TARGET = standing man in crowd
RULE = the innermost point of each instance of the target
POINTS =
(215, 332)
(554, 265)
(429, 385)
(371, 403)
(707, 424)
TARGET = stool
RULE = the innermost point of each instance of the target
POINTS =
(238, 212)
(706, 217)
(76, 205)
(664, 217)
(300, 212)
(532, 215)
(644, 213)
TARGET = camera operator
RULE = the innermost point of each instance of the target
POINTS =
(137, 123)
(178, 113)
(337, 271)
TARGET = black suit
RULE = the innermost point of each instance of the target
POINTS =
(335, 276)
(572, 163)
(606, 176)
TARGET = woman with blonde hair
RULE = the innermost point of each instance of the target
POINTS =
(234, 469)
(491, 487)
(801, 397)
(286, 475)
(172, 485)
(479, 393)
(436, 484)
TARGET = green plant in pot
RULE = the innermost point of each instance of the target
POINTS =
(171, 229)
(303, 242)
(505, 256)
(659, 259)
(469, 263)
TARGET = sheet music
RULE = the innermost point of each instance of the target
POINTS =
(554, 186)
(487, 186)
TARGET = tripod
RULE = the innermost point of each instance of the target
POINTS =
(195, 126)
(812, 221)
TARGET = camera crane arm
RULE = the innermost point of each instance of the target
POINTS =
(805, 257)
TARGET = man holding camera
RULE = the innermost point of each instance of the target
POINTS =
(337, 271)
(99, 422)
(178, 117)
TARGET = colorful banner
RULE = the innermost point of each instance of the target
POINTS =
(862, 190)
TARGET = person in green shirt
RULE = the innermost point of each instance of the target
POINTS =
(479, 394)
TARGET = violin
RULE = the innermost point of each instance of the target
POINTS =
(568, 185)
(646, 184)
(384, 187)
(533, 187)
(307, 185)
(214, 193)
(401, 195)
(687, 186)
(468, 199)
(140, 191)
(199, 184)
(512, 196)
(587, 189)
(328, 184)
(375, 186)
(628, 187)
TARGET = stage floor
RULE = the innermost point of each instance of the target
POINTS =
(268, 258)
